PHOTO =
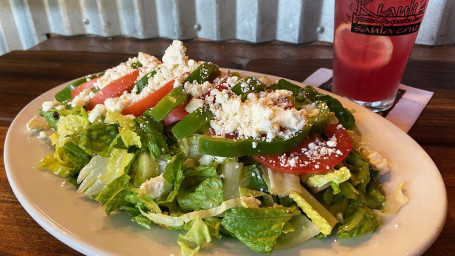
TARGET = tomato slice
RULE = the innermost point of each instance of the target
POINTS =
(314, 155)
(87, 85)
(114, 89)
(176, 115)
(139, 107)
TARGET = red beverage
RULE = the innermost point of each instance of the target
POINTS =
(372, 43)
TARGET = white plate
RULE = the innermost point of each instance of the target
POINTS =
(82, 224)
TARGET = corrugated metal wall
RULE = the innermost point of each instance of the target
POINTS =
(25, 23)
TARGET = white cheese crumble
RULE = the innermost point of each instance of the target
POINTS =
(48, 105)
(42, 135)
(119, 103)
(260, 116)
(156, 187)
(194, 104)
(97, 111)
(82, 98)
(175, 54)
(197, 90)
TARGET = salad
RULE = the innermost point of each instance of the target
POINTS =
(209, 153)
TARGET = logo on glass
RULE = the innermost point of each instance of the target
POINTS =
(387, 20)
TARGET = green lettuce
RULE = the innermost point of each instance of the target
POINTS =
(201, 189)
(100, 171)
(173, 174)
(98, 138)
(197, 235)
(257, 228)
(251, 178)
(230, 172)
(358, 221)
(152, 136)
(302, 230)
(113, 195)
(205, 195)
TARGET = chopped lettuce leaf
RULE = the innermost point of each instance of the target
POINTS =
(69, 125)
(124, 121)
(144, 168)
(251, 178)
(230, 172)
(76, 155)
(202, 188)
(51, 163)
(303, 229)
(197, 235)
(130, 138)
(334, 176)
(251, 192)
(395, 201)
(100, 171)
(282, 184)
(152, 137)
(177, 221)
(257, 228)
(98, 138)
(113, 195)
(318, 214)
(205, 195)
(358, 221)
(173, 174)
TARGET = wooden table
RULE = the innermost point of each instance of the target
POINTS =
(26, 74)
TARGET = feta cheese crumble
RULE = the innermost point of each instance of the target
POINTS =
(261, 116)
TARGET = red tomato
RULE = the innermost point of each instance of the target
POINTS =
(176, 114)
(140, 106)
(87, 85)
(114, 89)
(314, 155)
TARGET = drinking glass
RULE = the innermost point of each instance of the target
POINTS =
(372, 43)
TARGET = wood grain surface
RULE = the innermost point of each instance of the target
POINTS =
(26, 74)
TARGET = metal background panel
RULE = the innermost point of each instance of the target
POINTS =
(25, 23)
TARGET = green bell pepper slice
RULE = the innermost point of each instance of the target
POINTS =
(204, 72)
(252, 85)
(65, 94)
(173, 99)
(193, 122)
(248, 147)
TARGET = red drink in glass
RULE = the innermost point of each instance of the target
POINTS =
(372, 43)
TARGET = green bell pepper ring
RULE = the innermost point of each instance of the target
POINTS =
(173, 99)
(248, 85)
(249, 147)
(204, 72)
(193, 122)
(65, 93)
